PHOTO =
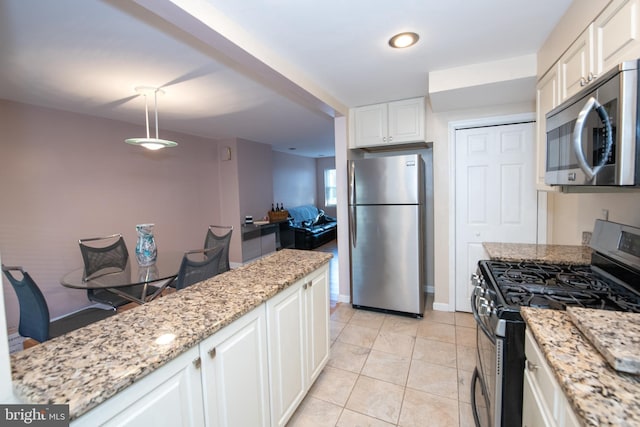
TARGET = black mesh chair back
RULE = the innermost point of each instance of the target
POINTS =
(103, 253)
(34, 312)
(223, 241)
(196, 270)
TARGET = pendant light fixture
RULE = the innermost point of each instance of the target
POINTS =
(148, 142)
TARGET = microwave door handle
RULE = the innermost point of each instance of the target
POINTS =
(592, 103)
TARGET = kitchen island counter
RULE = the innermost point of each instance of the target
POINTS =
(598, 394)
(88, 366)
(548, 254)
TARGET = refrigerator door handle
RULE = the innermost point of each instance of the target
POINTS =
(352, 199)
(352, 225)
(352, 183)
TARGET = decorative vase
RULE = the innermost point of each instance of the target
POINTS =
(146, 250)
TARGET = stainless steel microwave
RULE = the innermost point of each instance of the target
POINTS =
(593, 138)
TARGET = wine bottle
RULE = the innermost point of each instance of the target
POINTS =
(272, 209)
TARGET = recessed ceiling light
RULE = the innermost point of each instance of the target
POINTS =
(403, 40)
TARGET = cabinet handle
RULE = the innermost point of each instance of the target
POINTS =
(212, 353)
(390, 138)
(197, 363)
(310, 284)
(384, 139)
(531, 366)
(583, 81)
(590, 77)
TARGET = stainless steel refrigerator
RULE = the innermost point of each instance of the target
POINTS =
(386, 223)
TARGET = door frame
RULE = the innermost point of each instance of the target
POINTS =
(542, 196)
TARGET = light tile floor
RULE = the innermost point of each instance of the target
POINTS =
(389, 370)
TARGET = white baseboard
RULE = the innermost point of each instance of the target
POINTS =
(438, 306)
(344, 298)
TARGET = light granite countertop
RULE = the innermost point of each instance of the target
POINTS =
(548, 254)
(87, 366)
(599, 395)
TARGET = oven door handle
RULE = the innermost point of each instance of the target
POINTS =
(592, 104)
(481, 325)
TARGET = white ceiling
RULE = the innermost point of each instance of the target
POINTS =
(87, 56)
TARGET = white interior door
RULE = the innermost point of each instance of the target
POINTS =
(496, 199)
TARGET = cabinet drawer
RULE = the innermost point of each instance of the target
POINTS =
(540, 375)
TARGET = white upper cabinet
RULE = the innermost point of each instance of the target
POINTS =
(370, 125)
(397, 122)
(575, 67)
(616, 34)
(547, 98)
(610, 39)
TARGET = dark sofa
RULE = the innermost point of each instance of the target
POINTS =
(311, 226)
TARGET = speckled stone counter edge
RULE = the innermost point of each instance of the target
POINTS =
(548, 254)
(599, 395)
(87, 366)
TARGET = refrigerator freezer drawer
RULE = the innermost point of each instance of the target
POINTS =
(387, 262)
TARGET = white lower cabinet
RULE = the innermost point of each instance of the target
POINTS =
(234, 373)
(544, 403)
(253, 372)
(297, 324)
(317, 317)
(170, 396)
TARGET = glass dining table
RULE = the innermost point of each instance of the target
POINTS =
(115, 280)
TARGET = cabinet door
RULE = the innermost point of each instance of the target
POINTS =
(234, 373)
(576, 65)
(546, 100)
(616, 34)
(169, 396)
(286, 338)
(251, 249)
(534, 412)
(267, 244)
(317, 308)
(370, 125)
(406, 121)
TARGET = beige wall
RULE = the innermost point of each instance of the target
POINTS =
(571, 214)
(65, 176)
(294, 180)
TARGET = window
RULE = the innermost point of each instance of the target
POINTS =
(330, 187)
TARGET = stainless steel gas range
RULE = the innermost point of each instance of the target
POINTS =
(611, 282)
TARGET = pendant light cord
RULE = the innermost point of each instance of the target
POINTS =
(146, 113)
(155, 96)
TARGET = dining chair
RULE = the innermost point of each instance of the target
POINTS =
(213, 240)
(103, 255)
(35, 322)
(196, 270)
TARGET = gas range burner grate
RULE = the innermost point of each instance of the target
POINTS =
(551, 297)
(558, 286)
